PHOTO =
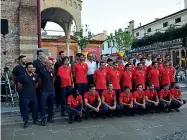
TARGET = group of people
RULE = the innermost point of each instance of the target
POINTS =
(85, 88)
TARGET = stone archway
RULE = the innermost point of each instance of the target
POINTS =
(72, 7)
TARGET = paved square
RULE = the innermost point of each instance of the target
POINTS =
(148, 127)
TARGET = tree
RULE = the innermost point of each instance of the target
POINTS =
(83, 36)
(122, 40)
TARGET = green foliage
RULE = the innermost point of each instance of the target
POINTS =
(171, 33)
(121, 39)
(83, 36)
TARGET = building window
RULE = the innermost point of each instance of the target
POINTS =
(137, 34)
(165, 24)
(149, 30)
(177, 20)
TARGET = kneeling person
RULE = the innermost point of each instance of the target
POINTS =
(92, 101)
(139, 100)
(75, 106)
(27, 85)
(177, 101)
(165, 98)
(151, 98)
(126, 101)
(108, 101)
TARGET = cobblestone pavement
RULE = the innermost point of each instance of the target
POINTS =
(162, 126)
(174, 136)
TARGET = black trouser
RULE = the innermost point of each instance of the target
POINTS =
(175, 104)
(90, 79)
(38, 93)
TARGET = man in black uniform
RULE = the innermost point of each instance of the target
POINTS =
(18, 71)
(27, 84)
(60, 60)
(38, 64)
(47, 78)
(57, 80)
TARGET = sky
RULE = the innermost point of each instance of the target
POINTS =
(111, 15)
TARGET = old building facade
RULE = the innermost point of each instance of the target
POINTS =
(22, 37)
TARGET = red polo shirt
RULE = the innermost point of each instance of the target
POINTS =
(126, 79)
(160, 66)
(108, 68)
(121, 67)
(149, 68)
(100, 77)
(114, 77)
(80, 70)
(176, 93)
(151, 94)
(133, 69)
(138, 96)
(165, 76)
(163, 94)
(153, 77)
(171, 70)
(74, 102)
(91, 97)
(125, 98)
(109, 96)
(140, 78)
(65, 76)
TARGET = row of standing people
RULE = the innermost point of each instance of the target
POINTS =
(67, 77)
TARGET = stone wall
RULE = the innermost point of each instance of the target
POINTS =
(22, 36)
(9, 10)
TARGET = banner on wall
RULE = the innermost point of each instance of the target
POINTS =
(95, 51)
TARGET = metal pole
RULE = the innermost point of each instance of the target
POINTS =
(39, 23)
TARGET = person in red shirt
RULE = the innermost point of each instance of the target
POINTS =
(165, 98)
(80, 70)
(100, 77)
(130, 61)
(140, 76)
(92, 101)
(126, 77)
(177, 101)
(113, 76)
(121, 67)
(172, 72)
(143, 60)
(109, 103)
(160, 64)
(109, 67)
(165, 74)
(167, 58)
(151, 98)
(75, 105)
(126, 101)
(139, 99)
(153, 76)
(150, 67)
(66, 82)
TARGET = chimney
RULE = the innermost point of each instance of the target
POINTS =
(156, 19)
(140, 24)
(185, 4)
(131, 25)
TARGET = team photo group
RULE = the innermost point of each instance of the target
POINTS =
(87, 88)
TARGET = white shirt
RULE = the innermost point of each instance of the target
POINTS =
(137, 61)
(92, 66)
(125, 62)
(148, 62)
